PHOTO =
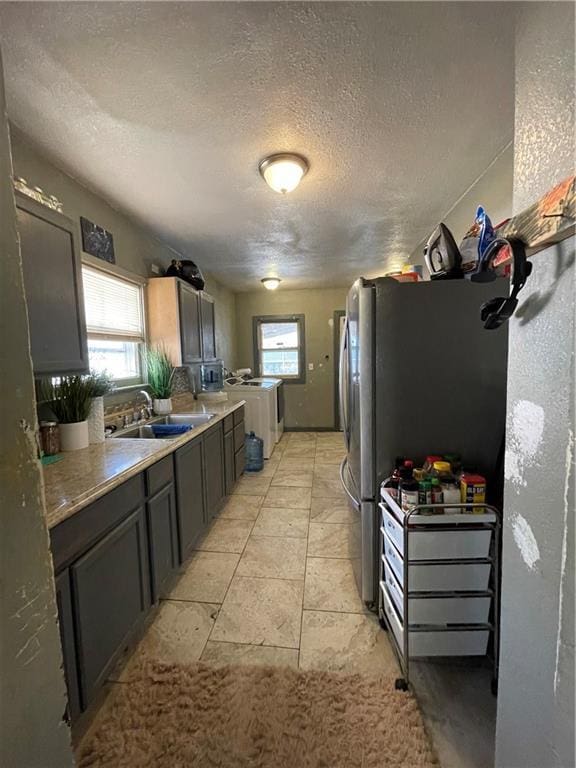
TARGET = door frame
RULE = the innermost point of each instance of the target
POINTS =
(338, 313)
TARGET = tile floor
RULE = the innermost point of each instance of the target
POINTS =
(272, 582)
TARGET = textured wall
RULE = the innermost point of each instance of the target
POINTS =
(32, 691)
(136, 249)
(535, 723)
(311, 404)
(493, 190)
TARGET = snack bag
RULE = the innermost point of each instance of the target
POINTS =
(476, 240)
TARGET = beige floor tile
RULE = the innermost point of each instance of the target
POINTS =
(270, 466)
(282, 522)
(301, 449)
(345, 642)
(329, 455)
(226, 536)
(273, 557)
(331, 510)
(261, 612)
(251, 485)
(322, 488)
(300, 437)
(241, 507)
(295, 478)
(296, 462)
(330, 586)
(238, 654)
(292, 498)
(206, 577)
(330, 540)
(177, 635)
(327, 472)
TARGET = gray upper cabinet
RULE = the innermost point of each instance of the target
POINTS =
(208, 327)
(53, 284)
(190, 320)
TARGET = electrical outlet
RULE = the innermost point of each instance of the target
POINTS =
(310, 366)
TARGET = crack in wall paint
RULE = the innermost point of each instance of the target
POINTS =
(569, 466)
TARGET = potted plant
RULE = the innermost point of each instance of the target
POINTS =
(101, 384)
(70, 401)
(160, 374)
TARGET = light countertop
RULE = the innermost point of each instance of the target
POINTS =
(86, 475)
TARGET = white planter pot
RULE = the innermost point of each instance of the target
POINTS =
(162, 407)
(73, 437)
(96, 421)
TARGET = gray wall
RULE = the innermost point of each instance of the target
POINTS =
(493, 190)
(311, 404)
(136, 248)
(535, 723)
(33, 698)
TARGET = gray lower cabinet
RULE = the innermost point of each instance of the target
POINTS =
(229, 463)
(214, 481)
(163, 539)
(68, 641)
(111, 597)
(239, 463)
(53, 285)
(189, 477)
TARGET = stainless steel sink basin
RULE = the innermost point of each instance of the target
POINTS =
(144, 431)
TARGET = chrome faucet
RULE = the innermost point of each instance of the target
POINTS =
(147, 410)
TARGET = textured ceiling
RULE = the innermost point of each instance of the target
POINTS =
(167, 108)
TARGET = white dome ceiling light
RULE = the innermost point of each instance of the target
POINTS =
(284, 171)
(271, 283)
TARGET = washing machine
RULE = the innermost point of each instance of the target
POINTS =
(260, 410)
(279, 404)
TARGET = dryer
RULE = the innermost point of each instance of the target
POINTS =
(260, 413)
(279, 404)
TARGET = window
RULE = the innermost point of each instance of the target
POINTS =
(115, 325)
(279, 347)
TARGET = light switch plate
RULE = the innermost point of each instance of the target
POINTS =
(310, 366)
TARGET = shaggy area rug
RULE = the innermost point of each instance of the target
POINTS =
(256, 717)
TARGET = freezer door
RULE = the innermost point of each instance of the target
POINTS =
(363, 539)
(352, 394)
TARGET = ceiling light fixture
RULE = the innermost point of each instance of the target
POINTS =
(284, 171)
(271, 283)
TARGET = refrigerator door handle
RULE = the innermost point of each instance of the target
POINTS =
(343, 388)
(353, 500)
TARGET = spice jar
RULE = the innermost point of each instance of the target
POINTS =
(49, 438)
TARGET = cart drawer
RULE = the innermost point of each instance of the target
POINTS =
(458, 577)
(448, 643)
(438, 610)
(437, 544)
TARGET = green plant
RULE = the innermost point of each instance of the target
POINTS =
(100, 383)
(160, 372)
(69, 399)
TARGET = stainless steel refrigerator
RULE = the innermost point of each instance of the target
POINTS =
(418, 375)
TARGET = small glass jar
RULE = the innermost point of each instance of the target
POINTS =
(49, 438)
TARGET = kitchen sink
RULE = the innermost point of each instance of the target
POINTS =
(144, 431)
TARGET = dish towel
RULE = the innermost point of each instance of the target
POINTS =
(165, 430)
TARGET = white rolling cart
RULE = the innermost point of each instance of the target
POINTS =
(439, 581)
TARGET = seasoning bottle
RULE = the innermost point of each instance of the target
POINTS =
(425, 495)
(450, 487)
(429, 463)
(455, 464)
(437, 497)
(391, 483)
(49, 438)
(408, 489)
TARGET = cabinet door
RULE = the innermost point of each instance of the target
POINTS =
(67, 639)
(208, 328)
(189, 324)
(111, 592)
(214, 470)
(240, 462)
(229, 463)
(188, 466)
(163, 538)
(53, 286)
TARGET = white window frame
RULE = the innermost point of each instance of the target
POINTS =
(261, 320)
(120, 274)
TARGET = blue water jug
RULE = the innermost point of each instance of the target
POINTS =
(254, 447)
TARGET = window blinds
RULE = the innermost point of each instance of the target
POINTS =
(113, 307)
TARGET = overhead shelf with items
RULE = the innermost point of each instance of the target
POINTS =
(439, 574)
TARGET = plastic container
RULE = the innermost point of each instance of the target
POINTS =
(425, 495)
(429, 463)
(254, 452)
(443, 471)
